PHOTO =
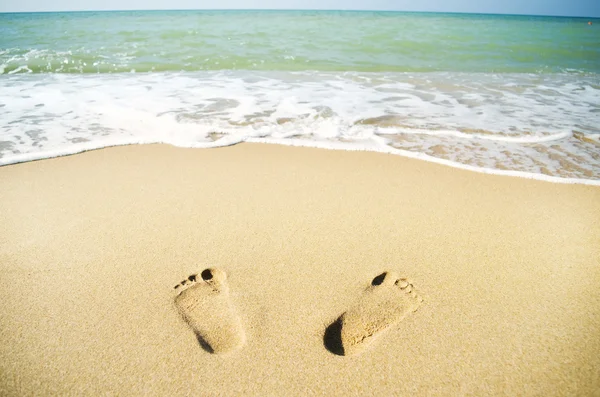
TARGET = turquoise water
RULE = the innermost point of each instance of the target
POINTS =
(91, 42)
(504, 94)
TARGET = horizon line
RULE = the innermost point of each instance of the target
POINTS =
(300, 9)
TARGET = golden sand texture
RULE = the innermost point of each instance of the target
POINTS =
(92, 245)
(384, 303)
(203, 301)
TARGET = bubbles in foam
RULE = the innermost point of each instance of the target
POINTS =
(514, 122)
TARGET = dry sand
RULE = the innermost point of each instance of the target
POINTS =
(92, 246)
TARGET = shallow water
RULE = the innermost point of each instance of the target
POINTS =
(495, 92)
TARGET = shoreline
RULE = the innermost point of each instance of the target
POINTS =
(337, 146)
(92, 246)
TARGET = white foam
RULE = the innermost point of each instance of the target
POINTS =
(514, 125)
(475, 136)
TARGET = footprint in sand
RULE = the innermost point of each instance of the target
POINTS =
(387, 301)
(203, 301)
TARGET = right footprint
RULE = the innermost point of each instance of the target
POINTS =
(387, 301)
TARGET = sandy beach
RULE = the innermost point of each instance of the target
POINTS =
(443, 281)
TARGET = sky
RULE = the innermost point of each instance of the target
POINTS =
(586, 8)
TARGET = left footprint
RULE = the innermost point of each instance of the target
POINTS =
(203, 301)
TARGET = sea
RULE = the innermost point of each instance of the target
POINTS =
(503, 94)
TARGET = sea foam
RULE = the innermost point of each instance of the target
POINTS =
(537, 126)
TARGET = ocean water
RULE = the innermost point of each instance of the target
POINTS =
(515, 95)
